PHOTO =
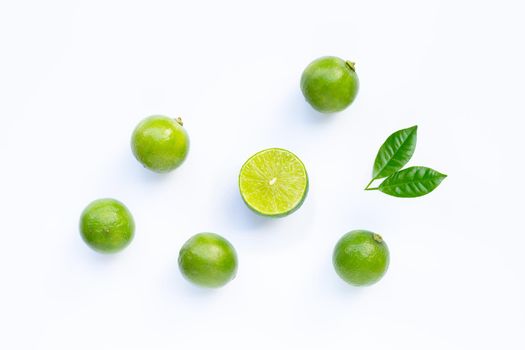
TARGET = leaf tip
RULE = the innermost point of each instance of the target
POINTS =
(441, 174)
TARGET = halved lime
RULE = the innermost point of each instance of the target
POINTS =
(273, 182)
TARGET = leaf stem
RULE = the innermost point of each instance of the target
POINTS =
(367, 186)
(371, 188)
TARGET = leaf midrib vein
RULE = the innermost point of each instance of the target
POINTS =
(410, 182)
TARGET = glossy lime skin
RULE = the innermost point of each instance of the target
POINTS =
(330, 84)
(107, 226)
(361, 257)
(160, 143)
(208, 260)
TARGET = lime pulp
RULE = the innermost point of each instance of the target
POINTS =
(273, 182)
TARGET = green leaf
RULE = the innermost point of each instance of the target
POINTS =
(395, 152)
(415, 181)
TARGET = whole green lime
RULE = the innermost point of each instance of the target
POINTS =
(330, 84)
(160, 143)
(361, 257)
(107, 226)
(208, 260)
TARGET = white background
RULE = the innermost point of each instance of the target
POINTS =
(75, 79)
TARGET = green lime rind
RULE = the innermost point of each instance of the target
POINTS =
(273, 182)
(208, 260)
(161, 144)
(330, 84)
(361, 257)
(107, 226)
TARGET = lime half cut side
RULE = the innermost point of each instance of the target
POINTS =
(273, 182)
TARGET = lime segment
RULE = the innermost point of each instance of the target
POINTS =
(273, 182)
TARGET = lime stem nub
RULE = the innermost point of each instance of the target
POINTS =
(179, 120)
(378, 238)
(351, 65)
